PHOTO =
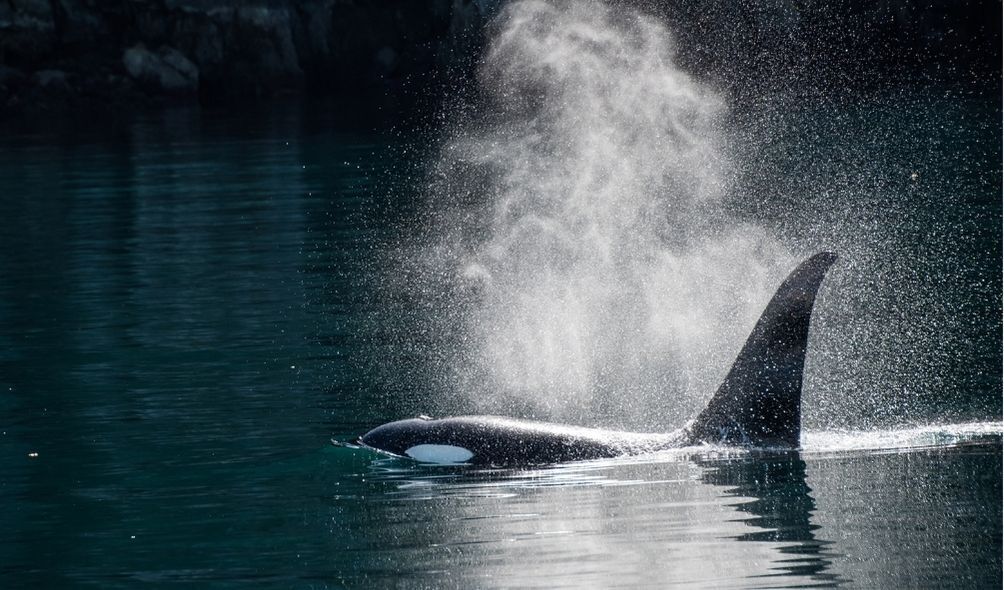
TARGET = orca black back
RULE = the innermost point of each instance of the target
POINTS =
(759, 403)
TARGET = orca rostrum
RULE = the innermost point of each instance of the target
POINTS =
(758, 405)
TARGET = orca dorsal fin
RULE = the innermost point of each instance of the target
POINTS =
(760, 401)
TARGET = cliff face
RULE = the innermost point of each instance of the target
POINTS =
(109, 54)
(105, 52)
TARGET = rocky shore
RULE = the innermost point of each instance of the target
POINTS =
(110, 55)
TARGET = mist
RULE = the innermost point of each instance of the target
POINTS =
(579, 221)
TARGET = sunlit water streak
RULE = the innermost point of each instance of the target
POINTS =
(767, 518)
(932, 436)
(416, 478)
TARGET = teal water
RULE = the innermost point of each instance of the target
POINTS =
(193, 304)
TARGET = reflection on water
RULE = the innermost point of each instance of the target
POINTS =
(729, 519)
(620, 523)
(780, 507)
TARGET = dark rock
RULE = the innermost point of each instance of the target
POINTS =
(262, 40)
(241, 50)
(51, 80)
(11, 83)
(11, 77)
(27, 32)
(400, 49)
(165, 72)
(83, 24)
(200, 37)
(232, 49)
(47, 91)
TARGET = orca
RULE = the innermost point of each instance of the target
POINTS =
(758, 405)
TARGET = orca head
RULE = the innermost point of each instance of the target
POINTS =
(418, 438)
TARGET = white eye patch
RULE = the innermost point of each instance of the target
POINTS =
(439, 453)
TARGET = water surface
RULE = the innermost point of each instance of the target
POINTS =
(192, 305)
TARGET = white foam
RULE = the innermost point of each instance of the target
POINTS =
(927, 436)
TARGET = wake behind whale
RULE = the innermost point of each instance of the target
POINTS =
(757, 405)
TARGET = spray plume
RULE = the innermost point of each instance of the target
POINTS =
(593, 270)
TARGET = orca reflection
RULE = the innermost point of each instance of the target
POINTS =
(758, 404)
(778, 507)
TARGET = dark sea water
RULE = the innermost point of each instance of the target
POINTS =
(192, 305)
